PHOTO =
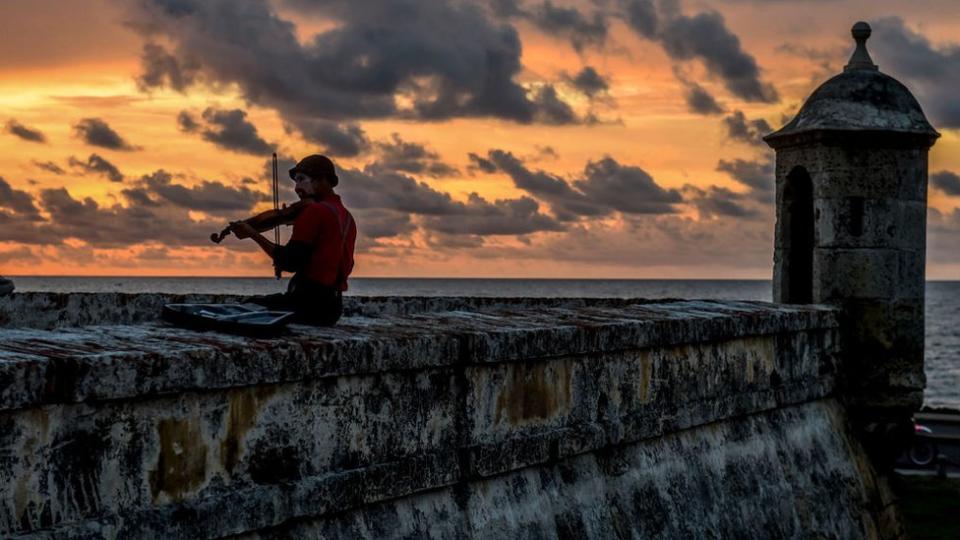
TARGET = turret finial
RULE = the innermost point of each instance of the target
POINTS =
(861, 58)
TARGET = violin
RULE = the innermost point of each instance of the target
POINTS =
(264, 221)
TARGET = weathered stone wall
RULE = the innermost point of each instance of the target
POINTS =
(554, 419)
(869, 201)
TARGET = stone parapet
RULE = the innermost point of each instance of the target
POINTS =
(153, 431)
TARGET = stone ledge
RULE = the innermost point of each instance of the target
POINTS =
(98, 363)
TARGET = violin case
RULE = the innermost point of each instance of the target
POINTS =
(244, 319)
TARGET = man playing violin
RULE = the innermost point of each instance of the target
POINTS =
(320, 250)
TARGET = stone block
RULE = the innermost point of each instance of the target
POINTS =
(6, 286)
(843, 273)
(881, 223)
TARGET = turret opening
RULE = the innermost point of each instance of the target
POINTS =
(798, 229)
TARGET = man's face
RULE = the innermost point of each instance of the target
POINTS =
(304, 185)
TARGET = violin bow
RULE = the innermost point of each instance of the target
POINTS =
(276, 206)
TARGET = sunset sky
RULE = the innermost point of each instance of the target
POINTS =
(475, 138)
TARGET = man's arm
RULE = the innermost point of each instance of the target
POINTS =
(244, 230)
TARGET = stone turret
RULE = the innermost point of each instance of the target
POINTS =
(851, 180)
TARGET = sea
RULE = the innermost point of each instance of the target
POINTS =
(942, 360)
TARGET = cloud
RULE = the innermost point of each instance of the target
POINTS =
(551, 109)
(49, 166)
(212, 197)
(946, 181)
(96, 132)
(227, 129)
(700, 101)
(625, 188)
(445, 59)
(604, 187)
(97, 165)
(20, 203)
(337, 139)
(741, 129)
(641, 15)
(399, 155)
(719, 202)
(705, 37)
(589, 82)
(501, 217)
(383, 223)
(756, 175)
(390, 194)
(581, 30)
(160, 68)
(28, 134)
(482, 164)
(932, 72)
(116, 226)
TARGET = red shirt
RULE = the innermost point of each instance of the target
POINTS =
(329, 228)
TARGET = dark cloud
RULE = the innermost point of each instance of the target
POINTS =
(187, 122)
(20, 203)
(337, 139)
(447, 58)
(28, 134)
(96, 132)
(590, 82)
(932, 72)
(551, 109)
(625, 188)
(383, 223)
(384, 189)
(604, 187)
(482, 164)
(501, 217)
(642, 16)
(208, 196)
(565, 202)
(228, 129)
(700, 101)
(580, 29)
(386, 195)
(739, 128)
(160, 68)
(400, 155)
(719, 202)
(49, 166)
(705, 37)
(97, 165)
(116, 226)
(947, 182)
(756, 175)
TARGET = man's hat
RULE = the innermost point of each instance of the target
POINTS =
(317, 167)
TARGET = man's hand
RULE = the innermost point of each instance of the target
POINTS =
(242, 229)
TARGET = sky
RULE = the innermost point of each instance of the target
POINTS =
(474, 138)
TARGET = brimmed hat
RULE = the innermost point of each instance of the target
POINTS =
(316, 166)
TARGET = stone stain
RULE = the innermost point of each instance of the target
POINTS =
(244, 408)
(182, 462)
(646, 373)
(534, 392)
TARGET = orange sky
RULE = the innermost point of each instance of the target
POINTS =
(70, 60)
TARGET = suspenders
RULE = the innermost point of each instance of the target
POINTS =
(344, 231)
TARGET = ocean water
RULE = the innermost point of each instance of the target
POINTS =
(942, 358)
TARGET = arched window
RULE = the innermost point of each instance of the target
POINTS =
(798, 231)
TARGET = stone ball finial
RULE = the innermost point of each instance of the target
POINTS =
(861, 31)
(861, 58)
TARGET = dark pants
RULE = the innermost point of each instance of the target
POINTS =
(315, 304)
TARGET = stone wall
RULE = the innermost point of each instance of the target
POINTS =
(499, 418)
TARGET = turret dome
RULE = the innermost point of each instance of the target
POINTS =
(859, 99)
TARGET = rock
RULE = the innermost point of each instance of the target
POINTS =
(6, 286)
